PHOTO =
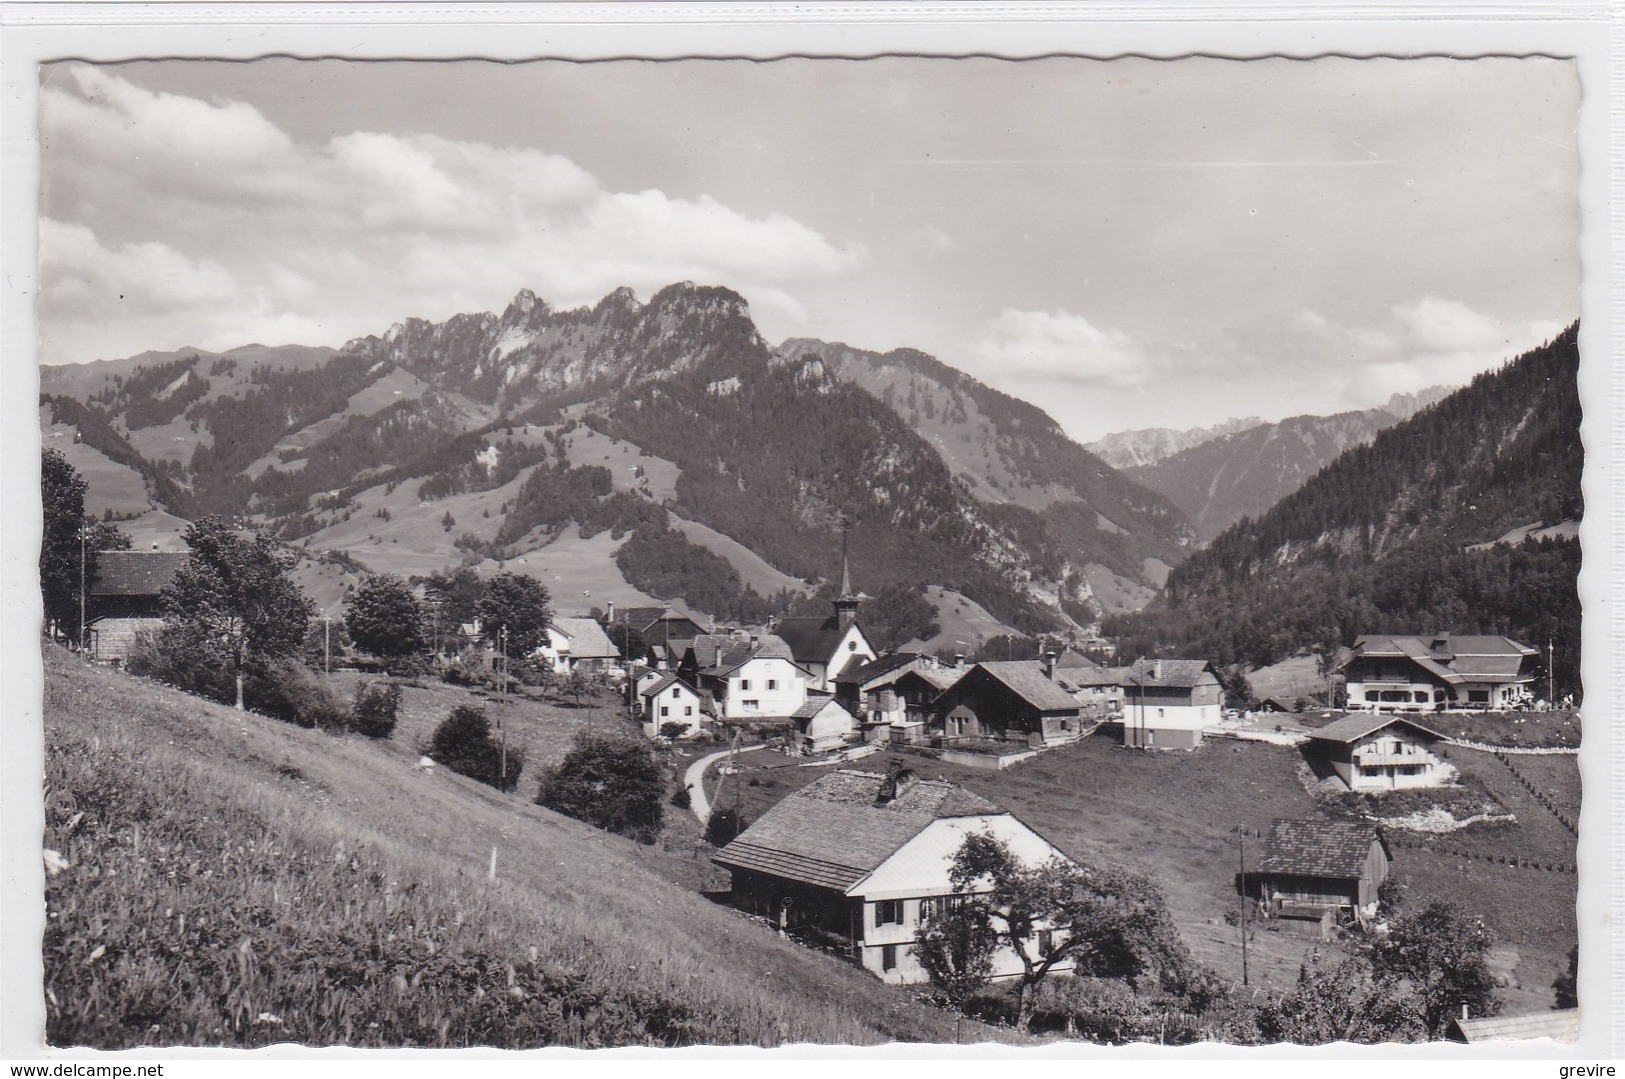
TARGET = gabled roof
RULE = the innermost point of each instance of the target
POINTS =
(1318, 848)
(1449, 658)
(1097, 676)
(1070, 660)
(878, 669)
(1562, 1025)
(813, 706)
(833, 833)
(708, 647)
(136, 573)
(940, 678)
(811, 639)
(587, 638)
(1167, 673)
(1353, 727)
(665, 683)
(1026, 679)
(641, 618)
(738, 653)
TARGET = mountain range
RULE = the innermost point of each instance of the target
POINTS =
(1463, 518)
(634, 452)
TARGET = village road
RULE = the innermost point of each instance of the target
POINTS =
(694, 780)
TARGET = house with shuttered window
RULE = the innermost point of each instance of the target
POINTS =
(858, 862)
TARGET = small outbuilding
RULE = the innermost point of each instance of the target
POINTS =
(821, 725)
(1314, 867)
(125, 598)
(1562, 1025)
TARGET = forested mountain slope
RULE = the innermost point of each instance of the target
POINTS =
(1396, 536)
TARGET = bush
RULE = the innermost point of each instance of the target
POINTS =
(673, 729)
(289, 692)
(723, 825)
(464, 744)
(682, 799)
(183, 657)
(613, 783)
(373, 713)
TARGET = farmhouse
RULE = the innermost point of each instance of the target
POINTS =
(753, 679)
(1372, 752)
(1167, 703)
(656, 625)
(578, 644)
(1015, 700)
(124, 599)
(1098, 689)
(1314, 867)
(871, 692)
(1431, 674)
(668, 699)
(858, 861)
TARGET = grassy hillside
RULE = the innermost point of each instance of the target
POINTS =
(236, 881)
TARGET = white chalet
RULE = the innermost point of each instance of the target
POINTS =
(747, 680)
(1379, 753)
(860, 861)
(668, 699)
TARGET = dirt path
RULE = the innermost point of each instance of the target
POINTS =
(694, 780)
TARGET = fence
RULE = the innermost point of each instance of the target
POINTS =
(1512, 861)
(1539, 795)
(1526, 751)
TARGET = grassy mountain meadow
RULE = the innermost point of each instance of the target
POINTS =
(233, 880)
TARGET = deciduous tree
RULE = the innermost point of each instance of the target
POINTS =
(464, 744)
(518, 608)
(236, 593)
(611, 783)
(384, 618)
(1445, 954)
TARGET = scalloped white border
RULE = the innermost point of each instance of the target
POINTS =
(34, 32)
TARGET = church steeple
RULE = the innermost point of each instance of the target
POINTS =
(846, 604)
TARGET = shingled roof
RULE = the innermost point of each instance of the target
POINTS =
(833, 832)
(864, 673)
(1351, 728)
(136, 573)
(1026, 678)
(1452, 659)
(1560, 1025)
(736, 654)
(587, 638)
(811, 639)
(1318, 848)
(1177, 673)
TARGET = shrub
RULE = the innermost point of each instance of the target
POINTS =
(289, 692)
(613, 783)
(373, 713)
(464, 744)
(673, 729)
(682, 799)
(723, 825)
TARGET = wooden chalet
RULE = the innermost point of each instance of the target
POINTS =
(858, 862)
(1015, 700)
(1373, 752)
(872, 692)
(656, 625)
(1439, 672)
(1315, 868)
(124, 598)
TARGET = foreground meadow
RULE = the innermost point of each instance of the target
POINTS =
(225, 879)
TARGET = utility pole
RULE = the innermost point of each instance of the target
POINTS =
(1551, 670)
(1241, 847)
(84, 630)
(502, 727)
(327, 644)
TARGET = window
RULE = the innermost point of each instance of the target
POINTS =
(744, 683)
(1421, 697)
(750, 704)
(772, 683)
(889, 912)
(1372, 696)
(665, 711)
(942, 904)
(851, 646)
(688, 709)
(888, 957)
(1046, 941)
(1478, 696)
(674, 691)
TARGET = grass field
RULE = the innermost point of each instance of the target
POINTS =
(232, 880)
(1171, 815)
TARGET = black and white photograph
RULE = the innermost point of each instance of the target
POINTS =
(805, 550)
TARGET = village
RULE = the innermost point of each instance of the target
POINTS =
(838, 782)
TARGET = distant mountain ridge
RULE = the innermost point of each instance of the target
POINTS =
(1225, 478)
(1414, 532)
(634, 448)
(1148, 445)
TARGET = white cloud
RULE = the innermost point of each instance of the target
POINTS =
(1063, 347)
(209, 221)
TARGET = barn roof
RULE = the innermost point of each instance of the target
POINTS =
(1562, 1025)
(136, 573)
(1318, 848)
(878, 668)
(833, 832)
(1026, 679)
(1351, 728)
(587, 638)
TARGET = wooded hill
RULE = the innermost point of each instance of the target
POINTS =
(1422, 530)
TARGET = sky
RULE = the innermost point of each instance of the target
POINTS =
(1127, 243)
